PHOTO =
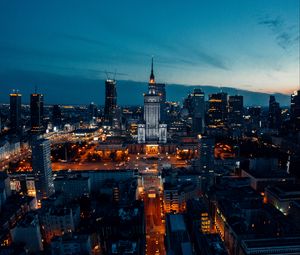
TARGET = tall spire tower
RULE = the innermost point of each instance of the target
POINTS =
(152, 78)
(152, 130)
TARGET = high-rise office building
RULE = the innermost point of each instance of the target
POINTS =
(197, 110)
(217, 112)
(235, 110)
(110, 100)
(56, 116)
(206, 162)
(152, 130)
(206, 153)
(37, 113)
(274, 118)
(93, 110)
(41, 165)
(15, 112)
(254, 114)
(295, 110)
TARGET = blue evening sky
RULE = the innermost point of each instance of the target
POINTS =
(248, 44)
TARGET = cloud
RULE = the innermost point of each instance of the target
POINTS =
(273, 23)
(85, 39)
(188, 55)
(285, 36)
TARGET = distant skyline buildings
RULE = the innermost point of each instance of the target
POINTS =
(15, 116)
(235, 110)
(295, 109)
(110, 100)
(36, 113)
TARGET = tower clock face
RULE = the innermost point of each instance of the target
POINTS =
(152, 99)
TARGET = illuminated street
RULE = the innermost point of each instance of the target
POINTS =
(155, 228)
(15, 158)
(134, 162)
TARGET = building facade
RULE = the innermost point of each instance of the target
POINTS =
(15, 112)
(41, 165)
(110, 100)
(295, 110)
(152, 130)
(36, 113)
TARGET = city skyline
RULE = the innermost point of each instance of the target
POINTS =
(252, 45)
(150, 127)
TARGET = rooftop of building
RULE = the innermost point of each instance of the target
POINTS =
(176, 222)
(124, 247)
(180, 186)
(237, 194)
(215, 244)
(273, 242)
(70, 238)
(123, 214)
(30, 220)
(187, 248)
(85, 130)
(196, 207)
(284, 191)
(275, 174)
(12, 206)
(73, 177)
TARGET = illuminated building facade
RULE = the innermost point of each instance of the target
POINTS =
(274, 117)
(198, 215)
(36, 113)
(197, 111)
(58, 220)
(206, 153)
(235, 110)
(15, 112)
(295, 110)
(41, 165)
(206, 162)
(110, 100)
(217, 112)
(152, 130)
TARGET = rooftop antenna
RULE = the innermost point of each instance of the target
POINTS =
(35, 89)
(107, 76)
(115, 73)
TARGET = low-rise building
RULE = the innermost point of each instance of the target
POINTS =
(71, 244)
(58, 220)
(72, 186)
(270, 246)
(281, 196)
(28, 232)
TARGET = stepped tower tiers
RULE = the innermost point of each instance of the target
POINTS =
(152, 130)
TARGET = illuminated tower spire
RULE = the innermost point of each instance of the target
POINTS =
(152, 79)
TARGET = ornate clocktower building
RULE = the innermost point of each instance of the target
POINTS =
(152, 130)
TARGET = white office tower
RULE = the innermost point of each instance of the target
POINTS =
(41, 165)
(152, 130)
